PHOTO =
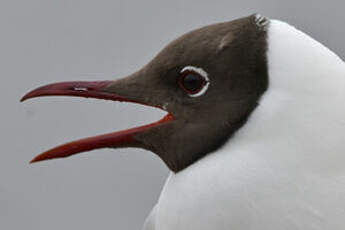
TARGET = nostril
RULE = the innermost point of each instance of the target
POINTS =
(80, 89)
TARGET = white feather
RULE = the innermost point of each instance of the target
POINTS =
(150, 221)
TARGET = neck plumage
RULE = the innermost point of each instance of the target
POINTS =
(300, 121)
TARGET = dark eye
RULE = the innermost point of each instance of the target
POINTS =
(193, 81)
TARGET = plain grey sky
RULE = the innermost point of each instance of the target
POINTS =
(44, 41)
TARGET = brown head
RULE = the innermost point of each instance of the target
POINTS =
(208, 80)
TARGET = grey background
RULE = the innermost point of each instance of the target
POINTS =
(44, 41)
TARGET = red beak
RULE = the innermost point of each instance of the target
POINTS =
(95, 89)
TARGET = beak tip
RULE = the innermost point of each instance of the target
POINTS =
(38, 158)
(25, 97)
(22, 99)
(33, 161)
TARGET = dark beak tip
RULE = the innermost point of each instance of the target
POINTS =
(23, 98)
(34, 160)
(30, 95)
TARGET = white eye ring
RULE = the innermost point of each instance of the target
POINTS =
(203, 74)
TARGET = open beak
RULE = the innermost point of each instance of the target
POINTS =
(92, 89)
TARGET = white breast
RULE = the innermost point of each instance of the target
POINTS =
(285, 169)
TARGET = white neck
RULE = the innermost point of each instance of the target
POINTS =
(301, 118)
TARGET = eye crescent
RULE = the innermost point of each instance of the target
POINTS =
(194, 81)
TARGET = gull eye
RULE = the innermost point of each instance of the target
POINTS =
(193, 81)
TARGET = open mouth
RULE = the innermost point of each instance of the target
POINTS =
(94, 89)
